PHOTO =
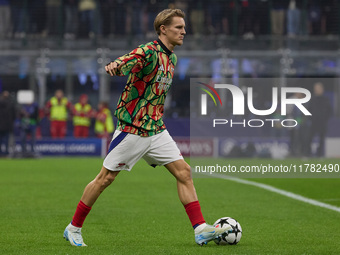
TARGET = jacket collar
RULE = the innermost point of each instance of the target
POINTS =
(167, 51)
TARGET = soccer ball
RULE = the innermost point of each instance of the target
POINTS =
(232, 236)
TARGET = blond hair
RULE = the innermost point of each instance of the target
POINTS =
(165, 18)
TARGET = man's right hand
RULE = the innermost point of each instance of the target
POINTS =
(113, 68)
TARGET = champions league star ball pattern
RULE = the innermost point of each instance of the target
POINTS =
(232, 236)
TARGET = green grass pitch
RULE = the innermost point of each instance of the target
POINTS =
(140, 212)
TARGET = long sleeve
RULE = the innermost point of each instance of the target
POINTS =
(134, 61)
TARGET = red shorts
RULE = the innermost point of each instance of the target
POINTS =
(81, 131)
(58, 129)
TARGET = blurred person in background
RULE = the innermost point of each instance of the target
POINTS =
(54, 14)
(297, 134)
(58, 107)
(261, 17)
(37, 14)
(104, 126)
(315, 21)
(293, 18)
(214, 12)
(278, 131)
(82, 113)
(246, 19)
(107, 9)
(229, 17)
(29, 115)
(321, 111)
(151, 13)
(330, 17)
(277, 16)
(197, 17)
(87, 11)
(7, 118)
(71, 18)
(134, 18)
(19, 17)
(119, 17)
(5, 18)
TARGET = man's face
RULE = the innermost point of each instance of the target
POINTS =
(59, 94)
(5, 94)
(318, 89)
(175, 31)
(83, 100)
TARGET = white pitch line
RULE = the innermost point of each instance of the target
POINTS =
(331, 199)
(278, 191)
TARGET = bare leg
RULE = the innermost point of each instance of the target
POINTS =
(97, 186)
(185, 185)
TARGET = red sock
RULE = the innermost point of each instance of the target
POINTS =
(193, 210)
(80, 214)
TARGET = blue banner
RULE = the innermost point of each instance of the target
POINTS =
(69, 147)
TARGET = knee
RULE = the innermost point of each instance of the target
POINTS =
(109, 179)
(105, 180)
(184, 175)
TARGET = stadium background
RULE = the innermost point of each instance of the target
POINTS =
(46, 45)
(50, 45)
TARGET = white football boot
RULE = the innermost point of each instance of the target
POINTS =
(204, 233)
(73, 234)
